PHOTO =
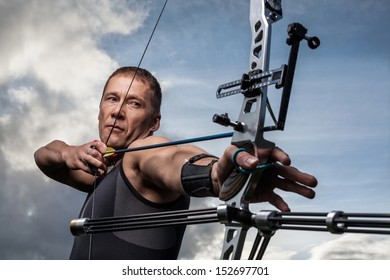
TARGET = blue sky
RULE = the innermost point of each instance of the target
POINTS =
(56, 55)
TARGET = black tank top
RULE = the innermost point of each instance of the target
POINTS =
(115, 196)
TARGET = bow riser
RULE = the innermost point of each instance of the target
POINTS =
(253, 109)
(252, 117)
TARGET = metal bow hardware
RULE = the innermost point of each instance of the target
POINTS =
(249, 134)
(250, 127)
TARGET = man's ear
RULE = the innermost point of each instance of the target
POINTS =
(156, 124)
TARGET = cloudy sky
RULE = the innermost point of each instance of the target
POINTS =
(56, 55)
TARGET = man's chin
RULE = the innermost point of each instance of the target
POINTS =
(112, 143)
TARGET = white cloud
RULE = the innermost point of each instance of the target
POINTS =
(53, 69)
(57, 43)
(102, 17)
(52, 74)
(278, 253)
(353, 247)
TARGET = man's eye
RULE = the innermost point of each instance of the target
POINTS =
(134, 104)
(111, 99)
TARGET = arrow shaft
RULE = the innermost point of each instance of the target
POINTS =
(173, 143)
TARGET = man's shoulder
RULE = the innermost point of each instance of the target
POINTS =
(147, 149)
(150, 140)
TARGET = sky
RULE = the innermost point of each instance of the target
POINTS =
(56, 55)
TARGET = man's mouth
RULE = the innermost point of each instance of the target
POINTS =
(115, 128)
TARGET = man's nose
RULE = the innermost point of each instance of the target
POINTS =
(118, 112)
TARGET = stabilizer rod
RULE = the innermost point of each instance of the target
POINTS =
(336, 222)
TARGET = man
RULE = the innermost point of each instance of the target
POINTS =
(153, 180)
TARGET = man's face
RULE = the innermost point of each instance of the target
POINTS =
(135, 120)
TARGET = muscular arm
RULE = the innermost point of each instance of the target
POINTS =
(156, 173)
(65, 163)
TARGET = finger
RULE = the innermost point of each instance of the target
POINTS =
(99, 146)
(290, 186)
(97, 165)
(224, 165)
(280, 156)
(96, 149)
(85, 166)
(293, 174)
(93, 160)
(245, 160)
(278, 202)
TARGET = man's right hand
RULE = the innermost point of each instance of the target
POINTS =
(72, 165)
(87, 157)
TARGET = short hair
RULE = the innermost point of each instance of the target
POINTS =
(145, 76)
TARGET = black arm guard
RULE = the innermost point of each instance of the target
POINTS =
(196, 179)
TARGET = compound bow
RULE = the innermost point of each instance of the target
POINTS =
(248, 134)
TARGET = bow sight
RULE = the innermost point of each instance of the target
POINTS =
(252, 84)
